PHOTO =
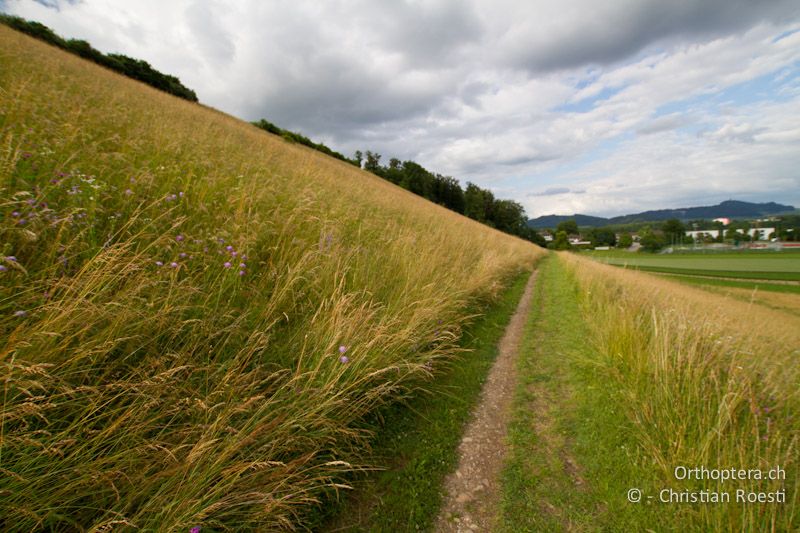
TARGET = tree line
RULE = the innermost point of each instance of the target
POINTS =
(133, 68)
(474, 202)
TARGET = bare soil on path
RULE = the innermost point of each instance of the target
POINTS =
(473, 494)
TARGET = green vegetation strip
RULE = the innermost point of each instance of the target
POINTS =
(568, 466)
(418, 440)
(739, 274)
(738, 284)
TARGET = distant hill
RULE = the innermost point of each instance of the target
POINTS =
(728, 208)
(551, 221)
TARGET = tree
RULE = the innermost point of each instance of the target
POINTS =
(602, 237)
(358, 158)
(651, 241)
(560, 242)
(373, 162)
(475, 203)
(625, 240)
(570, 227)
(674, 231)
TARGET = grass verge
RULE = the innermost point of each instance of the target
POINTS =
(418, 440)
(687, 388)
(622, 382)
(568, 466)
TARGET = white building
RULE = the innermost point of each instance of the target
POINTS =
(703, 233)
(757, 234)
(760, 234)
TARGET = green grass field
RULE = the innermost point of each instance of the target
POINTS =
(783, 266)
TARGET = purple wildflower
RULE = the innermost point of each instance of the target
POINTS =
(15, 214)
(344, 359)
(233, 253)
(22, 222)
(242, 265)
(174, 264)
(182, 255)
(180, 194)
(11, 258)
(179, 238)
(229, 248)
(128, 192)
(342, 349)
(20, 313)
(195, 529)
(241, 272)
(159, 263)
(244, 257)
(30, 201)
(3, 268)
(227, 264)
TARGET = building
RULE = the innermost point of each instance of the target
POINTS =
(702, 234)
(760, 234)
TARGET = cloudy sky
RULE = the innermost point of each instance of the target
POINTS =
(566, 106)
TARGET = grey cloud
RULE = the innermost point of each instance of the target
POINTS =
(426, 33)
(52, 4)
(664, 123)
(555, 191)
(606, 32)
(209, 36)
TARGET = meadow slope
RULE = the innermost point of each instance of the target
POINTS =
(194, 314)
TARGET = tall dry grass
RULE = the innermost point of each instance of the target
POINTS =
(148, 380)
(707, 381)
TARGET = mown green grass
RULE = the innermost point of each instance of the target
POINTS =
(738, 274)
(739, 265)
(418, 440)
(151, 382)
(735, 283)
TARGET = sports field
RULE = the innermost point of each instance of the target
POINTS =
(776, 266)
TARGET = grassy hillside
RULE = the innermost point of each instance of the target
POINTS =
(194, 314)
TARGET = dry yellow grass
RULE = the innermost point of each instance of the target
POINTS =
(164, 397)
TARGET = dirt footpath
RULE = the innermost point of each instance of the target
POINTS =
(473, 495)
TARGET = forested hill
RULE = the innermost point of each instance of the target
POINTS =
(728, 208)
